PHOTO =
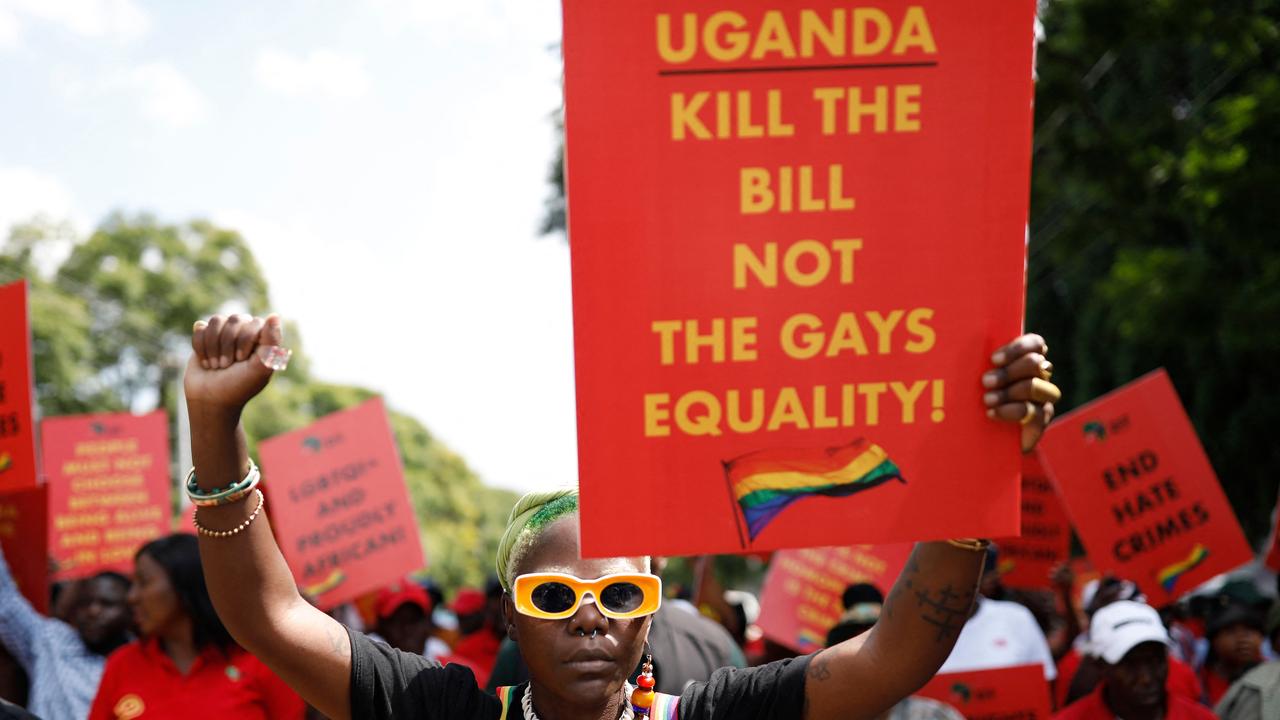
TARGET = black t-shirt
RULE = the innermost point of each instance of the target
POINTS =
(387, 683)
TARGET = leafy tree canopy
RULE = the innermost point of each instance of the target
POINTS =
(111, 326)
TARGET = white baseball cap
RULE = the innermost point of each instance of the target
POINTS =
(1123, 625)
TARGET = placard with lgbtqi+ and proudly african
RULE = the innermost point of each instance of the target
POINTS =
(797, 235)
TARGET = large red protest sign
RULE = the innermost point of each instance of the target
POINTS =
(17, 435)
(797, 235)
(1140, 491)
(1014, 692)
(109, 488)
(800, 601)
(1027, 560)
(24, 539)
(339, 505)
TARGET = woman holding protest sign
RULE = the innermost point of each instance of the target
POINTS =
(580, 652)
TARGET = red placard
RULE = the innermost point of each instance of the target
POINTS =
(109, 489)
(1141, 493)
(1019, 692)
(1026, 561)
(24, 538)
(339, 505)
(17, 436)
(797, 235)
(801, 595)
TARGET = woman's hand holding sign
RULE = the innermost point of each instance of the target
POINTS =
(1019, 390)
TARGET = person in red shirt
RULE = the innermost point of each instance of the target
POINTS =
(186, 664)
(478, 646)
(1133, 645)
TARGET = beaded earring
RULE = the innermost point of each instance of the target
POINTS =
(642, 697)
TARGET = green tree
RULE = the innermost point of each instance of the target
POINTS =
(111, 330)
(1153, 241)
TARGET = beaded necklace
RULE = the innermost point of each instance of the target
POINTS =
(526, 704)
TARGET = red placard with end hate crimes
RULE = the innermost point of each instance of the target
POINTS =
(24, 538)
(798, 233)
(800, 601)
(109, 489)
(339, 505)
(17, 434)
(1141, 493)
(1027, 560)
(1001, 694)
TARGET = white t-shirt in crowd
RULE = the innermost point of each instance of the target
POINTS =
(1000, 634)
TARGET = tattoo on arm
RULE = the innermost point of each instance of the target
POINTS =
(945, 609)
(335, 641)
(818, 669)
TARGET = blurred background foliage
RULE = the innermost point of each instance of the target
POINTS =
(111, 324)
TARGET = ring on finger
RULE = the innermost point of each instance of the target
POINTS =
(1031, 413)
(1046, 370)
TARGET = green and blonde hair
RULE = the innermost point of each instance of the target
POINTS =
(531, 515)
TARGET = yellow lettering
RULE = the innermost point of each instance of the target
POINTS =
(863, 20)
(923, 336)
(773, 37)
(755, 195)
(914, 32)
(847, 336)
(906, 108)
(666, 330)
(831, 36)
(884, 328)
(736, 40)
(745, 260)
(690, 36)
(684, 116)
(808, 344)
(706, 423)
(787, 409)
(734, 402)
(908, 396)
(656, 414)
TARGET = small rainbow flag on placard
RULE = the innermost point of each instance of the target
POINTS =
(1169, 574)
(809, 637)
(766, 481)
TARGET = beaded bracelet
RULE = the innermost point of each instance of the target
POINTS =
(262, 500)
(219, 496)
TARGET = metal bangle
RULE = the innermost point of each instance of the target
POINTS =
(197, 495)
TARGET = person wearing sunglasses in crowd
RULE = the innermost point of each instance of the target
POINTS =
(581, 623)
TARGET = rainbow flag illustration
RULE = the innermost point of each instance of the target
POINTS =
(331, 581)
(809, 637)
(1168, 575)
(765, 482)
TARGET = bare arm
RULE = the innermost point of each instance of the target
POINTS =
(250, 584)
(934, 595)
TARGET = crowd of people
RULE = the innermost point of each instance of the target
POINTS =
(215, 626)
(151, 645)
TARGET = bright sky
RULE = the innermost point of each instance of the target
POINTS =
(386, 161)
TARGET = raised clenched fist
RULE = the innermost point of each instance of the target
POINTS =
(234, 358)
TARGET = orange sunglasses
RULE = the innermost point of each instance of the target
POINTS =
(555, 596)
